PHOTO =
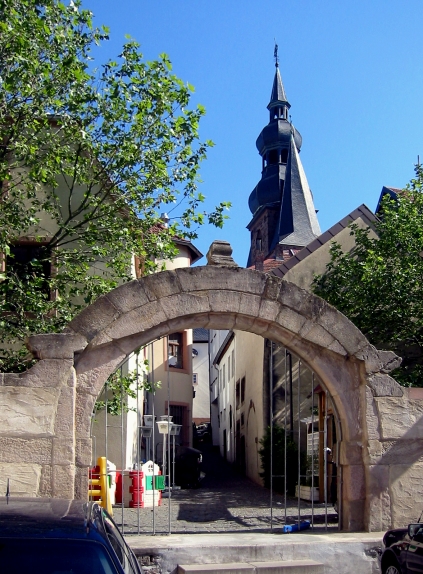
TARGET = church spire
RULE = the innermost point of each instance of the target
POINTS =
(278, 105)
(284, 219)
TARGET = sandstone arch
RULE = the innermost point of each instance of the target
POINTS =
(74, 365)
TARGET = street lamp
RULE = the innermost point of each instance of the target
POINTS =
(164, 427)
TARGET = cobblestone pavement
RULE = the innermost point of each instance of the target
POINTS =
(224, 502)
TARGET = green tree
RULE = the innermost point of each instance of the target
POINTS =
(282, 459)
(378, 285)
(89, 159)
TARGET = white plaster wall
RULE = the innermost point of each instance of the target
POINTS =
(200, 365)
(249, 356)
(302, 274)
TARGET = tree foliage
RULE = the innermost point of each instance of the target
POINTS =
(280, 461)
(89, 159)
(378, 285)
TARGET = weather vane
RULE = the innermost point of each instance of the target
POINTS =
(275, 54)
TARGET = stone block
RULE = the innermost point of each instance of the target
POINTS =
(24, 478)
(159, 285)
(65, 412)
(353, 482)
(46, 487)
(372, 416)
(128, 296)
(63, 478)
(397, 417)
(406, 510)
(63, 451)
(276, 333)
(379, 516)
(83, 452)
(374, 452)
(27, 412)
(389, 360)
(249, 305)
(353, 515)
(242, 323)
(81, 483)
(220, 253)
(225, 321)
(224, 301)
(370, 356)
(136, 321)
(316, 334)
(406, 481)
(383, 385)
(305, 303)
(402, 451)
(83, 413)
(269, 310)
(350, 453)
(94, 318)
(345, 332)
(36, 450)
(45, 373)
(216, 278)
(290, 320)
(337, 348)
(378, 479)
(56, 345)
(272, 288)
(95, 365)
(186, 304)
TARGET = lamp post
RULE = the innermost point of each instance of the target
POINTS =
(164, 427)
(146, 432)
(174, 431)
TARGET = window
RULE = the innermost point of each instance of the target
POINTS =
(284, 155)
(237, 387)
(224, 376)
(242, 419)
(233, 363)
(273, 157)
(229, 368)
(242, 390)
(176, 351)
(30, 262)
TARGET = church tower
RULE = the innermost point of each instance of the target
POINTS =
(284, 218)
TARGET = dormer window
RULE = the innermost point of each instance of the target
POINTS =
(273, 156)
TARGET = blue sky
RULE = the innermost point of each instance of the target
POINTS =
(352, 70)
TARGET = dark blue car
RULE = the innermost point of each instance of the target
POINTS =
(54, 536)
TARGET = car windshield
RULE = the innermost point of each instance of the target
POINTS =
(53, 556)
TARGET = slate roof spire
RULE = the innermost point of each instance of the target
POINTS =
(298, 224)
(284, 219)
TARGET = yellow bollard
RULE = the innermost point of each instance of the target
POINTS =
(104, 486)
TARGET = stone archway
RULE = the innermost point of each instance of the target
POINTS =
(74, 365)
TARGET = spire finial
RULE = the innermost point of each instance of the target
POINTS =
(275, 55)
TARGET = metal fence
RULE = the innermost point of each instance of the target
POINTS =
(303, 477)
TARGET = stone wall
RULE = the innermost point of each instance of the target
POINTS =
(45, 413)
